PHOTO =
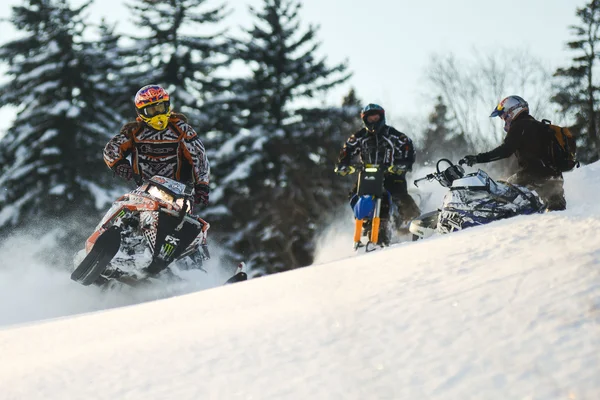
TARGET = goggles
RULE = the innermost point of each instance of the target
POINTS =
(155, 109)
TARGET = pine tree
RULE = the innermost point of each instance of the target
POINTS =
(52, 154)
(173, 54)
(439, 139)
(263, 174)
(118, 68)
(578, 87)
(283, 62)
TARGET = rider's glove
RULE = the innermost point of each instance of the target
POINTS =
(201, 191)
(397, 169)
(124, 170)
(343, 169)
(469, 160)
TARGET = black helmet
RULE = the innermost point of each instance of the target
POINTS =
(373, 109)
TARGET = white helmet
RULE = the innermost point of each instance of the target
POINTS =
(509, 109)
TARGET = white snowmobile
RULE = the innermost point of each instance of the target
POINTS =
(473, 199)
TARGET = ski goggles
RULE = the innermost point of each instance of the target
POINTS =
(155, 109)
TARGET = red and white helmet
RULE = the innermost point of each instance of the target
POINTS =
(509, 108)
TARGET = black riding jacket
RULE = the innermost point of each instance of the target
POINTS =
(386, 147)
(528, 139)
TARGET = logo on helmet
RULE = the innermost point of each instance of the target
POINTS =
(150, 94)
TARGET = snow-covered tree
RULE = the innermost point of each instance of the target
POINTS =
(52, 154)
(181, 47)
(118, 69)
(267, 205)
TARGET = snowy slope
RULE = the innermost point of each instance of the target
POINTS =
(506, 311)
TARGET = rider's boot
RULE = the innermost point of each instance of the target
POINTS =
(385, 233)
(407, 210)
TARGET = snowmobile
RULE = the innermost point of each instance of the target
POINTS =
(145, 232)
(367, 203)
(473, 199)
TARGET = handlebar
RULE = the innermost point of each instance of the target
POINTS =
(428, 177)
(362, 166)
(445, 177)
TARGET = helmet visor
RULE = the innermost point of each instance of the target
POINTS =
(372, 117)
(155, 109)
(498, 111)
(368, 113)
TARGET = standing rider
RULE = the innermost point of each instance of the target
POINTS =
(378, 143)
(159, 142)
(529, 140)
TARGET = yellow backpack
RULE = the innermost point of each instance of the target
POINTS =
(562, 148)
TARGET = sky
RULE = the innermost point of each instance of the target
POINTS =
(389, 43)
(510, 310)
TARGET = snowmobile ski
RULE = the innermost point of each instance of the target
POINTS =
(92, 266)
(240, 274)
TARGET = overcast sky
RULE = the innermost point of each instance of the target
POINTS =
(389, 43)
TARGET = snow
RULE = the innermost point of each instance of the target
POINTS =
(242, 169)
(230, 146)
(50, 151)
(509, 310)
(48, 135)
(43, 88)
(38, 71)
(73, 112)
(60, 107)
(58, 189)
(102, 197)
(11, 213)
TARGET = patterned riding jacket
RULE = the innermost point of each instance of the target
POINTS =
(387, 147)
(176, 152)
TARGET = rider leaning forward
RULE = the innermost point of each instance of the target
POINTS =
(159, 142)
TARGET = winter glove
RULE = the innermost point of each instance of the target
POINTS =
(397, 169)
(201, 191)
(124, 170)
(343, 170)
(469, 160)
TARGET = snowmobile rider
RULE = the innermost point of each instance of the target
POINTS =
(528, 139)
(159, 142)
(378, 143)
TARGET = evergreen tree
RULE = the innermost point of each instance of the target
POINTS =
(439, 139)
(118, 68)
(578, 87)
(52, 154)
(283, 62)
(175, 55)
(263, 174)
